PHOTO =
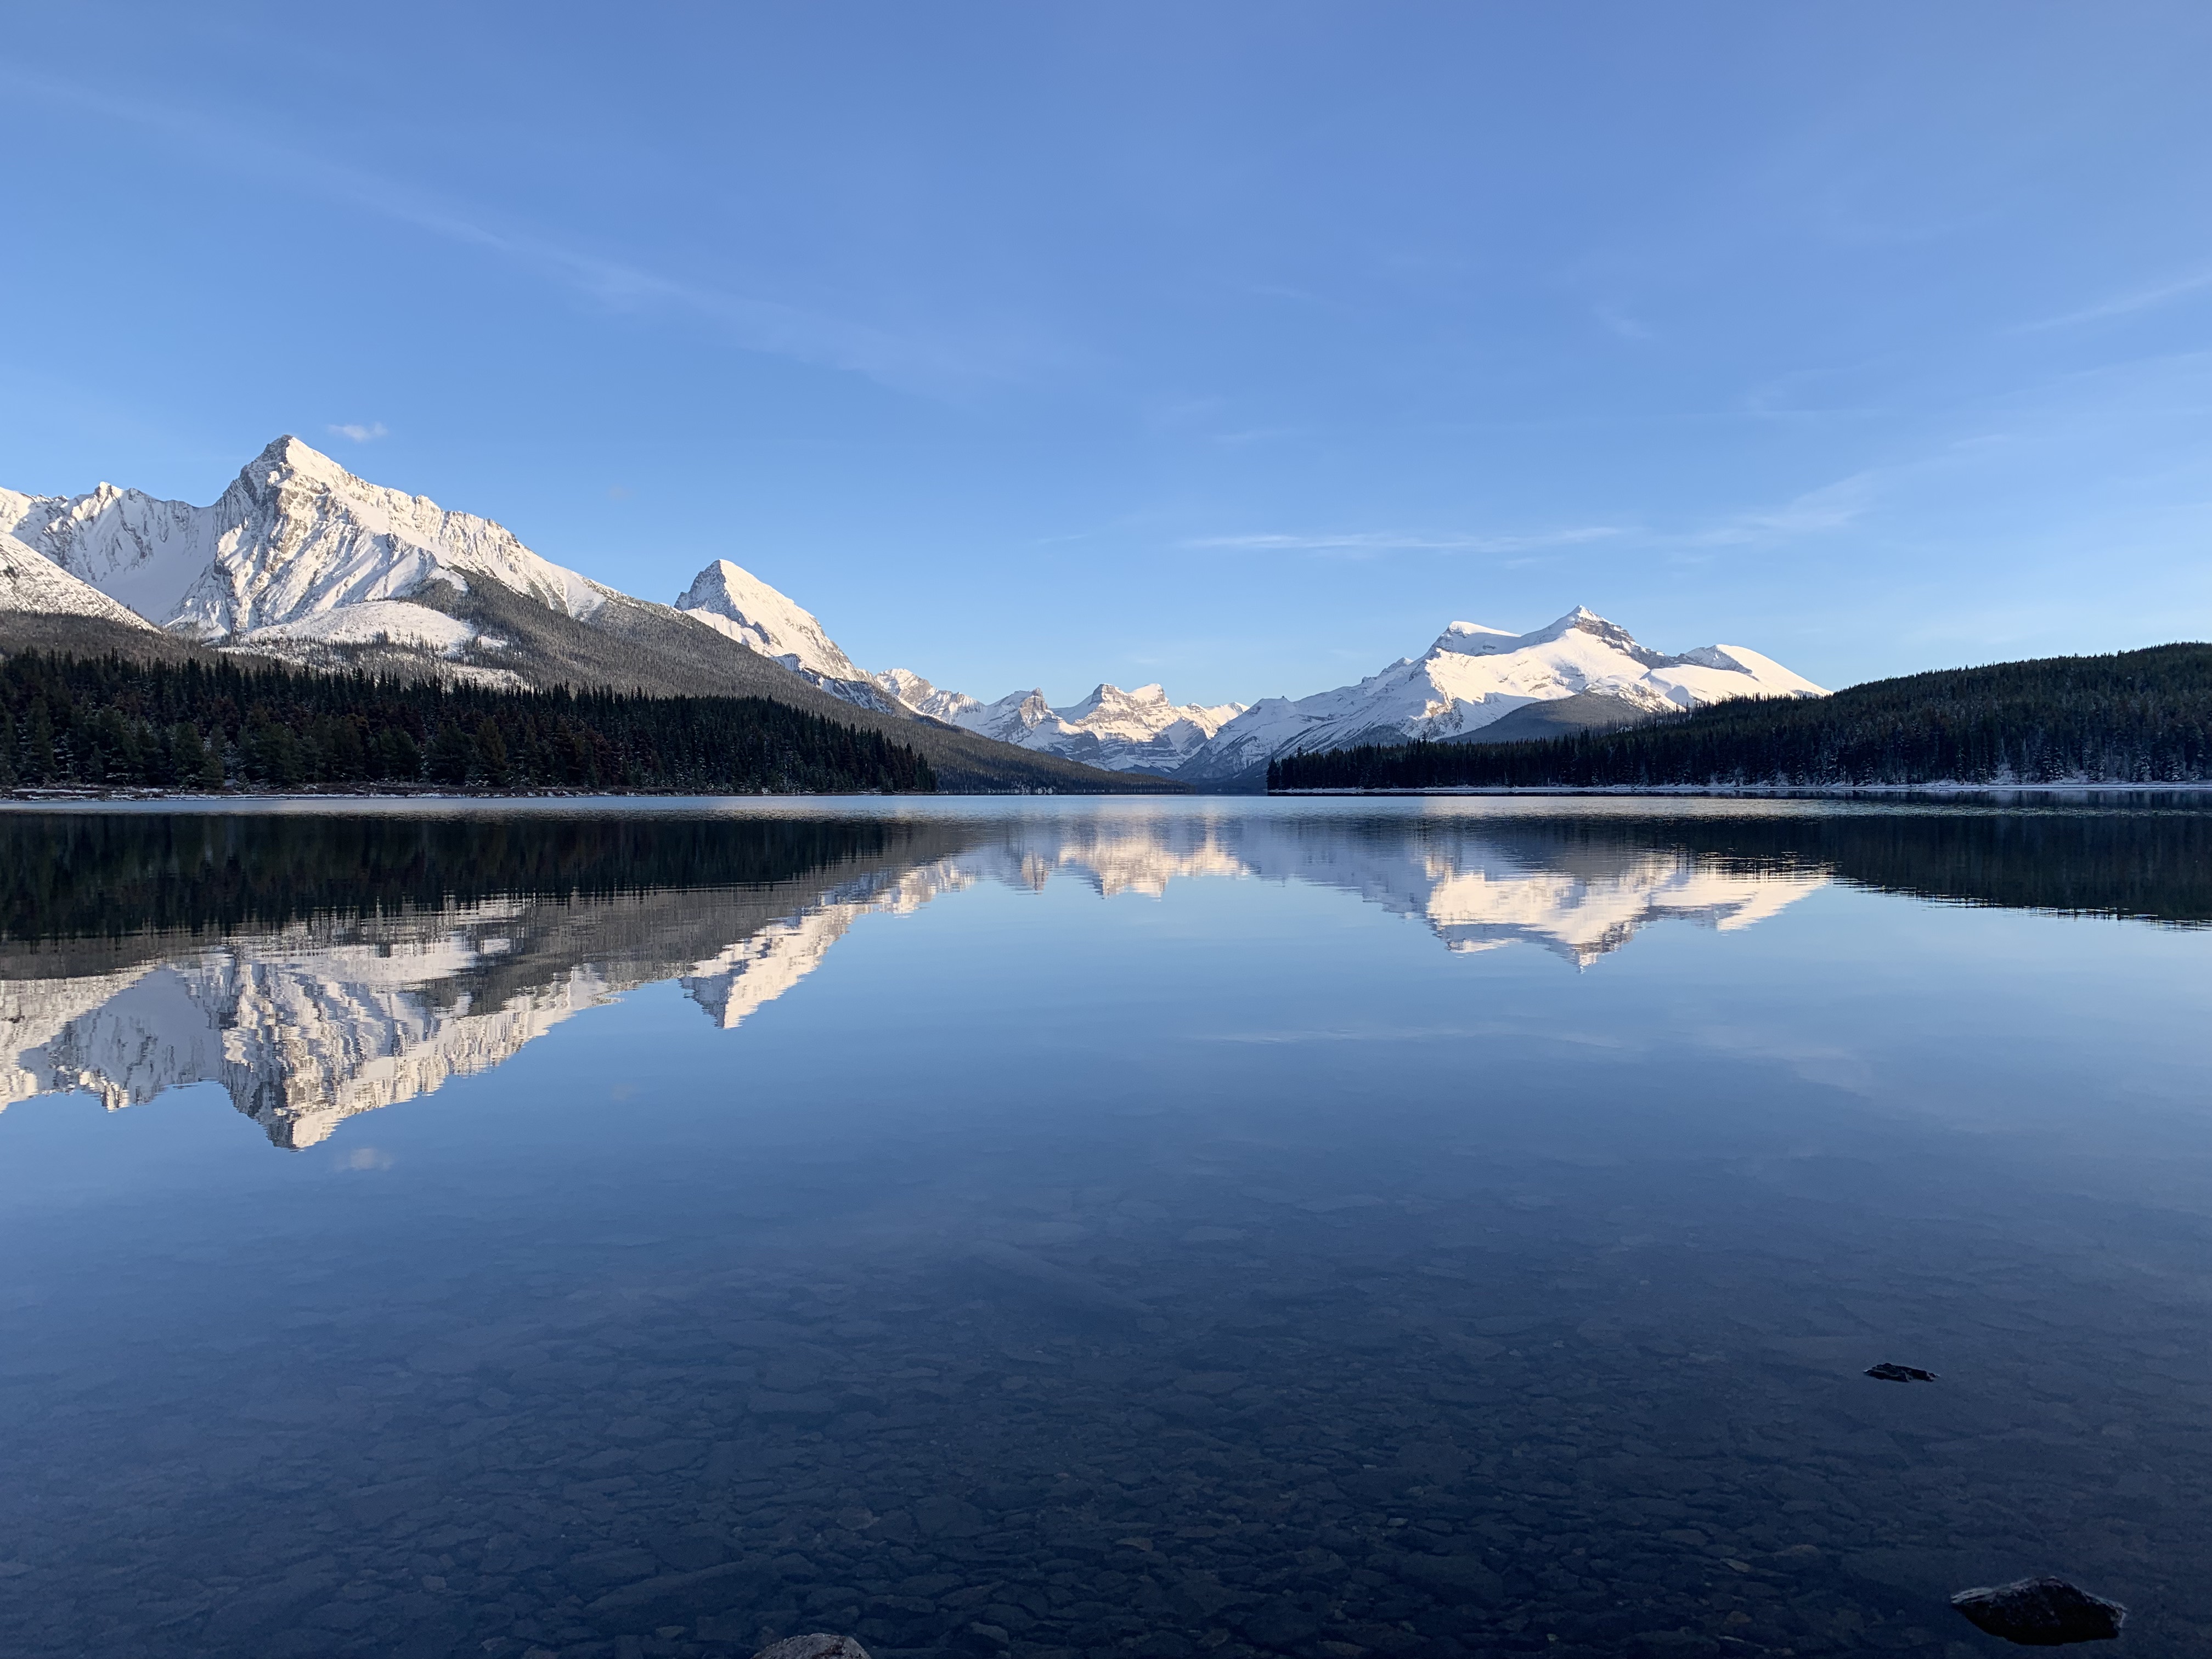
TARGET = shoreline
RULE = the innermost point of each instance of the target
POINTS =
(21, 799)
(1781, 791)
(143, 797)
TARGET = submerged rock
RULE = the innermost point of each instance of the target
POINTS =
(1887, 1372)
(2042, 1613)
(820, 1645)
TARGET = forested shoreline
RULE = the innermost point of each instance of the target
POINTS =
(106, 723)
(2140, 717)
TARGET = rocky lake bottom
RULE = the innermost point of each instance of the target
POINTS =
(1317, 1233)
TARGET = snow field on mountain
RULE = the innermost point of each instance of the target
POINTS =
(30, 582)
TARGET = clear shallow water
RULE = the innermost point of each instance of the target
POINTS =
(1124, 1229)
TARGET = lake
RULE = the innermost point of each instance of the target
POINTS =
(1131, 1229)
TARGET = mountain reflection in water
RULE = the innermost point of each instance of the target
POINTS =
(318, 966)
(1427, 1229)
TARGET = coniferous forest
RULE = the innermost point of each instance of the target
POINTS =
(105, 723)
(2136, 717)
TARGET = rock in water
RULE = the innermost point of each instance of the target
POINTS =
(1886, 1372)
(2042, 1613)
(820, 1645)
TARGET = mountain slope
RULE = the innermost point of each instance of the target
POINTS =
(1585, 711)
(30, 582)
(735, 603)
(1472, 677)
(44, 608)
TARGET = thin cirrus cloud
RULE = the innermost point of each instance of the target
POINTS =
(912, 361)
(1831, 507)
(363, 435)
(2121, 305)
(1619, 322)
(940, 361)
(1369, 544)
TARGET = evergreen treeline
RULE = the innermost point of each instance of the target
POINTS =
(2136, 717)
(101, 722)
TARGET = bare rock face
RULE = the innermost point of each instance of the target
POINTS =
(2042, 1613)
(820, 1645)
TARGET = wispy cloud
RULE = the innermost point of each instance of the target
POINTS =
(936, 359)
(1816, 512)
(1620, 322)
(1369, 544)
(363, 435)
(1831, 507)
(2120, 305)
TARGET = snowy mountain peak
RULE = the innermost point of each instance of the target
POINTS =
(294, 536)
(1138, 731)
(1474, 675)
(1474, 640)
(917, 693)
(287, 454)
(1143, 700)
(732, 600)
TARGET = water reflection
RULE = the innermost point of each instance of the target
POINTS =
(319, 968)
(1277, 1268)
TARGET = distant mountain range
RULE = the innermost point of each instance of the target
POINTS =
(301, 561)
(2134, 717)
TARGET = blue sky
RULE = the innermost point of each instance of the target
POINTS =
(1238, 346)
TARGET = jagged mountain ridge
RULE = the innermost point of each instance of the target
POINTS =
(295, 537)
(301, 561)
(1470, 677)
(1138, 730)
(1474, 677)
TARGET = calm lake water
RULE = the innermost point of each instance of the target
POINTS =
(1135, 1229)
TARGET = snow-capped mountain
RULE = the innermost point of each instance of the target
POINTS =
(294, 536)
(300, 560)
(923, 698)
(1474, 675)
(1119, 731)
(733, 602)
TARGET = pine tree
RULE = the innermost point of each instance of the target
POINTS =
(39, 760)
(491, 752)
(451, 753)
